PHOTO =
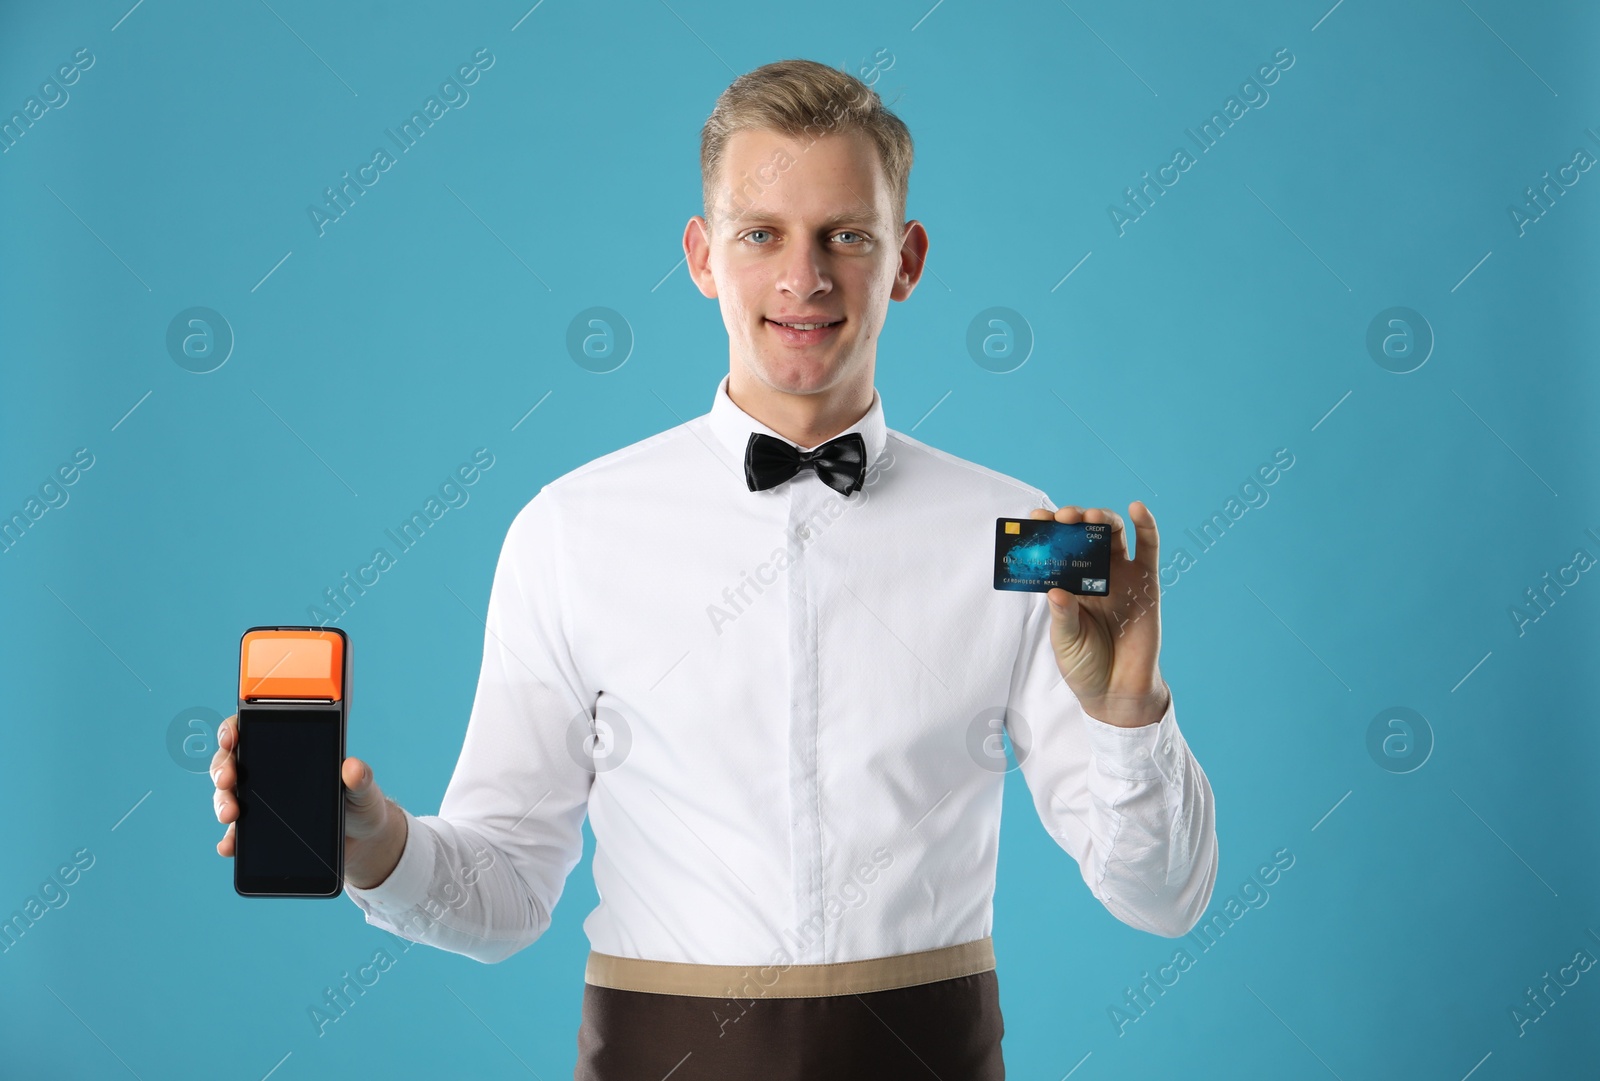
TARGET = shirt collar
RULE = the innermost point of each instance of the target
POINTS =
(733, 425)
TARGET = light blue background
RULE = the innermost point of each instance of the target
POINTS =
(1229, 321)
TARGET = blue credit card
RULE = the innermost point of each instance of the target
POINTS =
(1036, 556)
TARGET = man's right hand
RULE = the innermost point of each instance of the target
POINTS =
(374, 828)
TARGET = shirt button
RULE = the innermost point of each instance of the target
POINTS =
(803, 532)
(1144, 752)
(1167, 746)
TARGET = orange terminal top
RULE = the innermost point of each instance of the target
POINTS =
(291, 664)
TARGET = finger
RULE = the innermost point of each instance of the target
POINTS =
(224, 745)
(222, 761)
(1146, 536)
(223, 774)
(1119, 537)
(1071, 513)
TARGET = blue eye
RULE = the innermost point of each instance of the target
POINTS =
(861, 237)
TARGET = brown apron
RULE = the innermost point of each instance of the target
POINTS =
(949, 1028)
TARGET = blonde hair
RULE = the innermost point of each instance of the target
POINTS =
(802, 98)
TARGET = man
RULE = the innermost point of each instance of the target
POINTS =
(779, 619)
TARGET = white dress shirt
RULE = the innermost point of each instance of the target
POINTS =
(798, 696)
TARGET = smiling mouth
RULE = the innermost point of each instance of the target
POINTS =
(795, 335)
(806, 326)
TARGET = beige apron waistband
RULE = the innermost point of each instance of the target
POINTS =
(790, 981)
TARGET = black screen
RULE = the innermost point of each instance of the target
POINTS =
(289, 793)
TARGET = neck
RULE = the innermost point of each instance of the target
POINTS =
(804, 419)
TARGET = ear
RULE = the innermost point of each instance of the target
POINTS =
(913, 259)
(697, 246)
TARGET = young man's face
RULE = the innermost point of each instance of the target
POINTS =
(803, 231)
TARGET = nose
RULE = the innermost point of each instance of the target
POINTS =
(804, 274)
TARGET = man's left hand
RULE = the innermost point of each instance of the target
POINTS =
(1107, 647)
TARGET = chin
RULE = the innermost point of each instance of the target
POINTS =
(798, 376)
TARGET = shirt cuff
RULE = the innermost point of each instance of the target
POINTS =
(1136, 754)
(407, 885)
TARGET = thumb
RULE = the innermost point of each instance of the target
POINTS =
(363, 797)
(1063, 613)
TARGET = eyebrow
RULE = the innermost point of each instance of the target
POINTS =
(854, 213)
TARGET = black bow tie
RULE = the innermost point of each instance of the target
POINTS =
(841, 462)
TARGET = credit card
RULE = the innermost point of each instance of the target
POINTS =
(1036, 556)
